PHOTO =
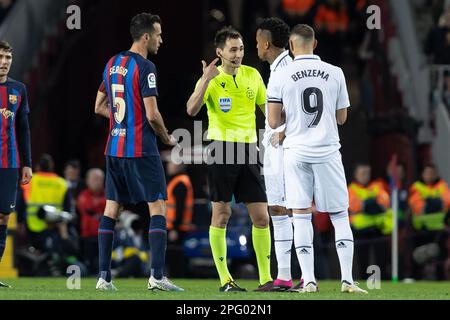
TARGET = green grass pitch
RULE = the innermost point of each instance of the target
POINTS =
(199, 289)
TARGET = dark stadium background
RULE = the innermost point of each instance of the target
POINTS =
(63, 68)
(64, 82)
(67, 94)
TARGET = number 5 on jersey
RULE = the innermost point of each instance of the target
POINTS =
(119, 102)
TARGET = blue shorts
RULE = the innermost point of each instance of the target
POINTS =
(9, 179)
(135, 180)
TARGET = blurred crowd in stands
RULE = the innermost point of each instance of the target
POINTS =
(5, 7)
(437, 43)
(423, 219)
(335, 21)
(437, 46)
(58, 220)
(58, 216)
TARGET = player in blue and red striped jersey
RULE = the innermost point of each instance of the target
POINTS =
(15, 150)
(134, 172)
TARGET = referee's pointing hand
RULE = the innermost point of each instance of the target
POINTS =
(210, 71)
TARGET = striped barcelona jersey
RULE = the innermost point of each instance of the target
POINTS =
(13, 102)
(128, 79)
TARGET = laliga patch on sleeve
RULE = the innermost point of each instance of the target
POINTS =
(151, 81)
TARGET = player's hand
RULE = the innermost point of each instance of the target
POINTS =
(27, 174)
(210, 71)
(277, 138)
(171, 141)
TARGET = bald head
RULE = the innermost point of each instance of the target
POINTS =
(95, 179)
(302, 40)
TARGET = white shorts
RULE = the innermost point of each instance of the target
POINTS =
(274, 176)
(322, 182)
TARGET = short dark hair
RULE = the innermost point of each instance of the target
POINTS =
(74, 163)
(304, 31)
(279, 31)
(429, 165)
(224, 34)
(5, 46)
(143, 23)
(360, 164)
(46, 163)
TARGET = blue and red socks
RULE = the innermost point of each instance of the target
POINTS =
(105, 244)
(157, 236)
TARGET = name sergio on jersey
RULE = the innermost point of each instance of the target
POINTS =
(118, 69)
(6, 113)
(310, 73)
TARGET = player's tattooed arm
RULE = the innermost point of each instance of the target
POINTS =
(156, 121)
(195, 101)
(101, 104)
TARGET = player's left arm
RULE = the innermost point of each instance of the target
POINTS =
(101, 102)
(261, 95)
(24, 139)
(149, 91)
(341, 116)
(279, 134)
(274, 118)
(156, 121)
(275, 103)
(343, 101)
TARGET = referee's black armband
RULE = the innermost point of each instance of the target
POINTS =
(24, 143)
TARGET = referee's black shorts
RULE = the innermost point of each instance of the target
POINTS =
(233, 169)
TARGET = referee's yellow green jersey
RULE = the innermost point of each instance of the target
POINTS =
(231, 102)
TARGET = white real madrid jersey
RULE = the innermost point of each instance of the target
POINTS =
(311, 91)
(279, 63)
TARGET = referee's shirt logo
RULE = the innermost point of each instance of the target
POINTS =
(225, 104)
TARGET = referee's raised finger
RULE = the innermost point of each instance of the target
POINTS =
(213, 62)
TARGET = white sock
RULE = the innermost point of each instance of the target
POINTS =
(303, 238)
(344, 243)
(283, 234)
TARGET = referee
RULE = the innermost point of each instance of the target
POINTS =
(231, 93)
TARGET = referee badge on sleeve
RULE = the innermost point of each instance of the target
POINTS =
(225, 104)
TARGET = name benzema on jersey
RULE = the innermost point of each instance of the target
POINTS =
(309, 74)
